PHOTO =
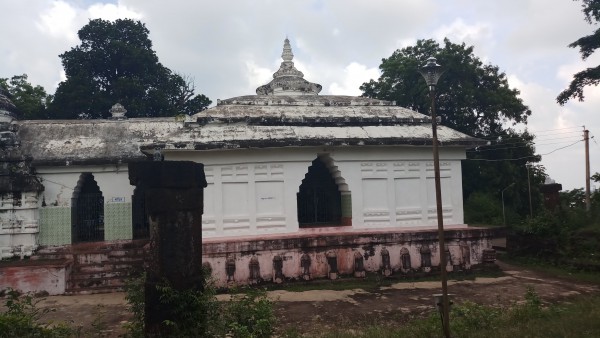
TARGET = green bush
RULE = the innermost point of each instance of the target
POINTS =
(22, 316)
(197, 313)
(249, 314)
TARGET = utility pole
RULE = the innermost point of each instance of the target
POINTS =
(529, 185)
(586, 138)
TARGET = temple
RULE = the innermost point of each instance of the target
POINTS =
(300, 186)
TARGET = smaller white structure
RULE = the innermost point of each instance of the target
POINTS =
(19, 190)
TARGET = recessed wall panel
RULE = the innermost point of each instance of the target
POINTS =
(407, 192)
(235, 199)
(375, 194)
(446, 185)
(269, 198)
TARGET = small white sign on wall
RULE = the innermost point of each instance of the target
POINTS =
(117, 200)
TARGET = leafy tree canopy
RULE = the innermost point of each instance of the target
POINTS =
(475, 99)
(31, 102)
(587, 46)
(114, 63)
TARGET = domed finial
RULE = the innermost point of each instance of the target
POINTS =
(118, 112)
(287, 54)
(288, 80)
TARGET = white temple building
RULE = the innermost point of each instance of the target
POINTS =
(300, 185)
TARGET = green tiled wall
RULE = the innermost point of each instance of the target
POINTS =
(346, 205)
(117, 221)
(55, 226)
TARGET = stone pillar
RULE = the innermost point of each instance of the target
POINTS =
(174, 205)
(551, 195)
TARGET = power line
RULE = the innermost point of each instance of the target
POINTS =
(501, 138)
(524, 157)
(505, 146)
(542, 132)
(515, 147)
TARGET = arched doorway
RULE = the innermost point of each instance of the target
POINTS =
(319, 199)
(141, 226)
(87, 211)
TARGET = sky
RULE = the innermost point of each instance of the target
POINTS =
(231, 47)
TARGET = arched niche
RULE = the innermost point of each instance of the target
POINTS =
(139, 217)
(323, 198)
(87, 211)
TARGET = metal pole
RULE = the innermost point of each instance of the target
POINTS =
(503, 213)
(586, 138)
(529, 185)
(440, 218)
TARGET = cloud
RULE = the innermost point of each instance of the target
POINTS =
(58, 21)
(112, 12)
(355, 75)
(459, 31)
(256, 76)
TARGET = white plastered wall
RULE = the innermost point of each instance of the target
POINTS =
(60, 182)
(253, 192)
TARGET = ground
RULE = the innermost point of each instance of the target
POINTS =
(318, 310)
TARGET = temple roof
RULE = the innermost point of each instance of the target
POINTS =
(286, 113)
(71, 142)
(311, 110)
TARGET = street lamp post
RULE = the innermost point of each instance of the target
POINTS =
(527, 165)
(432, 73)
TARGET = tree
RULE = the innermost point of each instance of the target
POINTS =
(114, 63)
(475, 99)
(31, 102)
(587, 45)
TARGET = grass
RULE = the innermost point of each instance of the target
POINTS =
(562, 271)
(578, 318)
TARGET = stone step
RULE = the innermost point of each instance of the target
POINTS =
(51, 256)
(88, 259)
(90, 291)
(107, 267)
(95, 283)
(122, 273)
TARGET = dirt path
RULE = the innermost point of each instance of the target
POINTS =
(317, 310)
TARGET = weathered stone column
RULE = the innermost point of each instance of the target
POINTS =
(174, 204)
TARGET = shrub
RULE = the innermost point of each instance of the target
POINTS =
(197, 313)
(249, 314)
(22, 316)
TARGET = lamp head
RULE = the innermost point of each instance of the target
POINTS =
(431, 72)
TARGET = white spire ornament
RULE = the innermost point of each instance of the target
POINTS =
(288, 80)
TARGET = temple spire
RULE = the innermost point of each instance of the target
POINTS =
(288, 80)
(287, 54)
